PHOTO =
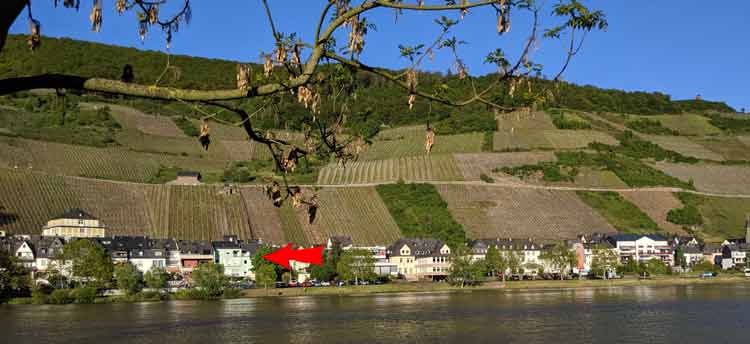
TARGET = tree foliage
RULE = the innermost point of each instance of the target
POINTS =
(464, 271)
(89, 263)
(156, 278)
(560, 257)
(210, 279)
(356, 265)
(14, 279)
(128, 278)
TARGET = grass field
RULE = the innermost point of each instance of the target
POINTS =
(524, 120)
(688, 124)
(524, 139)
(723, 217)
(684, 146)
(130, 118)
(656, 204)
(182, 146)
(504, 212)
(619, 212)
(472, 165)
(417, 168)
(246, 150)
(726, 179)
(103, 163)
(410, 142)
(592, 177)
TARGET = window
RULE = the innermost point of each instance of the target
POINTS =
(80, 222)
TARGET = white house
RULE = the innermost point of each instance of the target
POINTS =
(420, 259)
(642, 247)
(236, 256)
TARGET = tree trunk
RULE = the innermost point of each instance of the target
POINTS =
(9, 11)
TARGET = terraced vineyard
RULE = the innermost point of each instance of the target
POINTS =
(688, 124)
(730, 148)
(417, 168)
(265, 219)
(684, 146)
(525, 139)
(246, 150)
(204, 212)
(411, 143)
(595, 178)
(182, 146)
(524, 120)
(103, 163)
(723, 217)
(472, 165)
(656, 204)
(130, 118)
(726, 179)
(503, 212)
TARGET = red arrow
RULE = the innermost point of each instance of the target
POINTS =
(283, 255)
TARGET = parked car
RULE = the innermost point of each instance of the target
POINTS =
(747, 272)
(293, 283)
(281, 285)
(325, 284)
(707, 275)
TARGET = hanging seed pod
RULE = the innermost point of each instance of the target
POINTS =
(512, 88)
(267, 65)
(120, 6)
(35, 38)
(274, 194)
(153, 14)
(297, 198)
(461, 72)
(96, 16)
(312, 209)
(280, 55)
(71, 3)
(295, 61)
(304, 96)
(429, 139)
(356, 36)
(243, 77)
(412, 99)
(411, 80)
(315, 104)
(204, 137)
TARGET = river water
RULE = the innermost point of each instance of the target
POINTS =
(674, 314)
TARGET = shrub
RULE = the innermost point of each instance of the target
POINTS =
(186, 125)
(485, 178)
(650, 126)
(59, 297)
(231, 293)
(688, 215)
(83, 295)
(38, 297)
(561, 121)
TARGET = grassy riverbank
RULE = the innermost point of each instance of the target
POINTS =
(510, 286)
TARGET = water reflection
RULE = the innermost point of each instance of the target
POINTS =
(622, 314)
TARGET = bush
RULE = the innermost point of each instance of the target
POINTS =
(688, 215)
(83, 295)
(561, 121)
(38, 297)
(59, 297)
(231, 293)
(485, 178)
(650, 126)
(186, 125)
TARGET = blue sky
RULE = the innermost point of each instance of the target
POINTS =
(681, 48)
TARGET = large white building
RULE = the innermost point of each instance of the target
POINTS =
(642, 248)
(74, 223)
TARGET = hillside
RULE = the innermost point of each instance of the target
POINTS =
(595, 161)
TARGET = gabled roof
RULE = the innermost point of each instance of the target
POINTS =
(76, 213)
(189, 174)
(420, 247)
(508, 244)
(201, 247)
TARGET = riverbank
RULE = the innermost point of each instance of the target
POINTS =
(509, 286)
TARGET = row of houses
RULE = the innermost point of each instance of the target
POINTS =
(409, 258)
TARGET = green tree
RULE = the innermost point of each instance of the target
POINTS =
(265, 276)
(14, 279)
(603, 259)
(656, 267)
(210, 279)
(495, 263)
(128, 278)
(513, 260)
(464, 270)
(259, 262)
(327, 271)
(156, 278)
(356, 265)
(560, 257)
(90, 264)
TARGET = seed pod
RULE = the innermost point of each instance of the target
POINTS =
(429, 139)
(204, 137)
(153, 14)
(297, 198)
(244, 77)
(280, 55)
(411, 80)
(121, 5)
(96, 16)
(35, 30)
(295, 61)
(412, 98)
(267, 66)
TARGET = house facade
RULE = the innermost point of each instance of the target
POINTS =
(420, 259)
(236, 256)
(74, 223)
(642, 248)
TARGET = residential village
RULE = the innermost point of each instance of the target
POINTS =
(408, 259)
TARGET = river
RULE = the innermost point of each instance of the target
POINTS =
(671, 314)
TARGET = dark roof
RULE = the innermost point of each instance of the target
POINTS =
(195, 247)
(251, 247)
(189, 174)
(76, 213)
(225, 244)
(633, 237)
(504, 244)
(148, 253)
(691, 249)
(420, 247)
(342, 240)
